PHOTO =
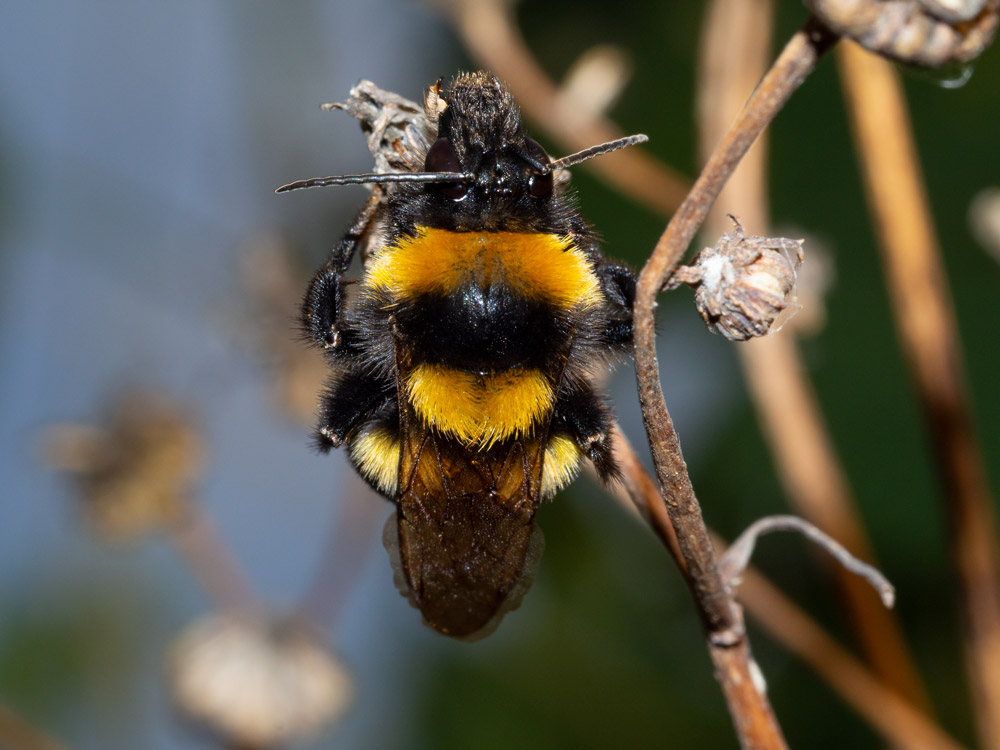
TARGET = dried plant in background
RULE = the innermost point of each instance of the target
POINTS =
(808, 467)
(255, 679)
(260, 682)
(984, 220)
(134, 475)
(925, 322)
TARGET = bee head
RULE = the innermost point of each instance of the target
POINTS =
(480, 134)
(482, 171)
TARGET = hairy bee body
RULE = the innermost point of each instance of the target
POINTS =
(463, 358)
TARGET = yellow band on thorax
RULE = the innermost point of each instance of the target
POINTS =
(538, 266)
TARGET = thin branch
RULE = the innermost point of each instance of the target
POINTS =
(641, 490)
(897, 721)
(926, 326)
(893, 717)
(720, 617)
(734, 55)
(737, 557)
(490, 34)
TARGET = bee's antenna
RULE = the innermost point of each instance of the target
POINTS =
(377, 179)
(590, 153)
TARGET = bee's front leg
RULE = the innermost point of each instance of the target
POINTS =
(323, 304)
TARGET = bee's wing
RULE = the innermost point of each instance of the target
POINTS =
(467, 541)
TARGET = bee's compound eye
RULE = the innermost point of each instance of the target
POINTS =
(540, 185)
(442, 157)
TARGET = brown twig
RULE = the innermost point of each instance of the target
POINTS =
(735, 44)
(490, 34)
(926, 327)
(890, 715)
(720, 617)
(737, 556)
(893, 718)
(816, 486)
(641, 492)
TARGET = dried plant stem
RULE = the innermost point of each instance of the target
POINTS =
(788, 72)
(817, 487)
(350, 540)
(721, 618)
(642, 495)
(490, 34)
(926, 327)
(196, 540)
(891, 716)
(737, 557)
(733, 57)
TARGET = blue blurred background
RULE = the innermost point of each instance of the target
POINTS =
(139, 148)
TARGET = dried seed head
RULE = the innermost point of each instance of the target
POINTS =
(742, 283)
(258, 682)
(398, 130)
(805, 314)
(133, 474)
(930, 33)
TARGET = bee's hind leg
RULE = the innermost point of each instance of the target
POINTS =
(350, 399)
(583, 415)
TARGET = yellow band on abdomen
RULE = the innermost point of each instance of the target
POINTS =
(479, 410)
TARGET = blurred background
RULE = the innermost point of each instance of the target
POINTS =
(144, 259)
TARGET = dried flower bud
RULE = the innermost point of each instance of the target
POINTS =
(742, 283)
(930, 33)
(398, 131)
(259, 682)
(133, 474)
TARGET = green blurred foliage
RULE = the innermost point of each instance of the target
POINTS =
(76, 655)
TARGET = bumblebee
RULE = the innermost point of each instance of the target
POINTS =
(463, 359)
